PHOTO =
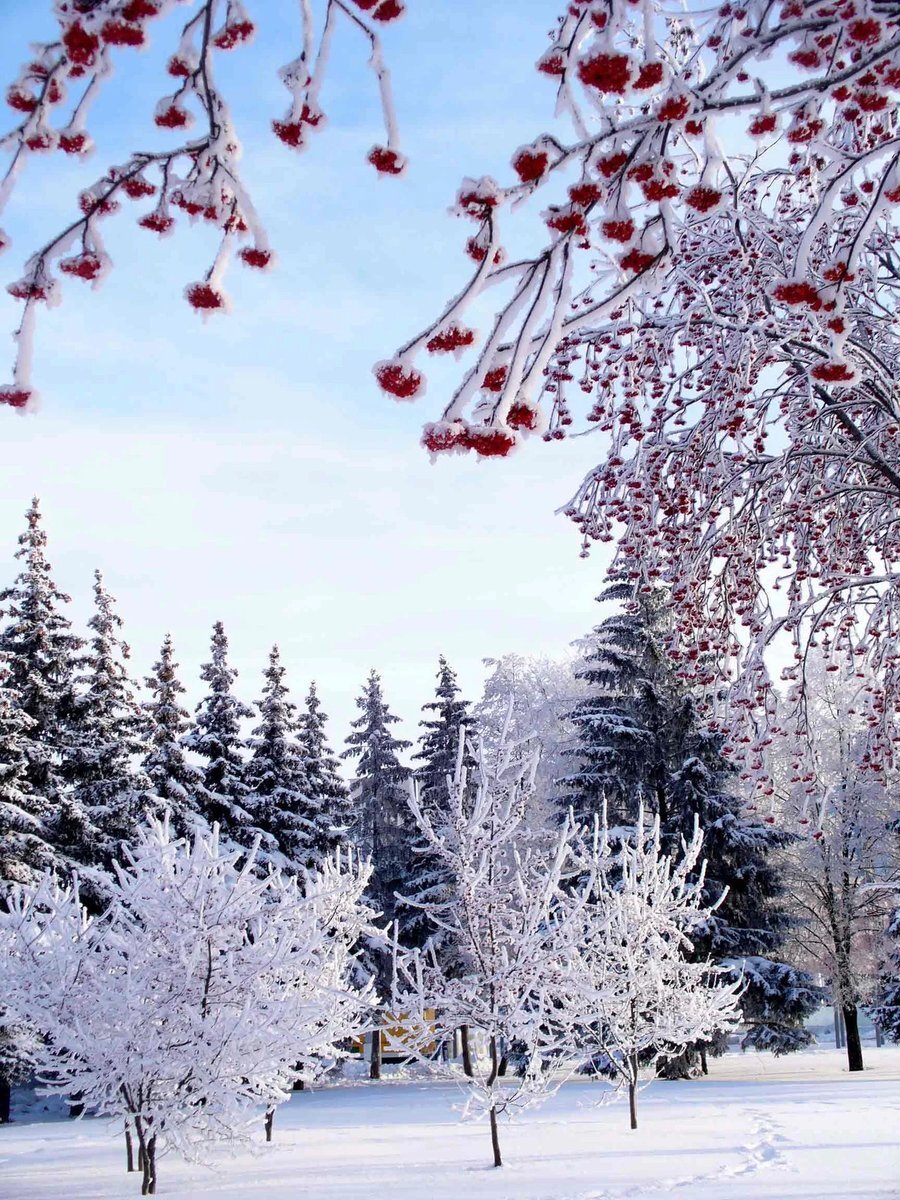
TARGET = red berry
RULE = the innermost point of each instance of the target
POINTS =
(122, 33)
(530, 165)
(204, 297)
(84, 266)
(135, 187)
(388, 10)
(173, 117)
(21, 100)
(490, 443)
(454, 337)
(74, 143)
(80, 45)
(234, 35)
(14, 396)
(157, 222)
(386, 161)
(254, 257)
(520, 416)
(606, 72)
(702, 198)
(403, 382)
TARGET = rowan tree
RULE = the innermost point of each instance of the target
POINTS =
(718, 282)
(194, 177)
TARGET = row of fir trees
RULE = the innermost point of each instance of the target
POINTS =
(83, 760)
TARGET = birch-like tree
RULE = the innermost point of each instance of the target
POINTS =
(185, 1006)
(511, 924)
(644, 997)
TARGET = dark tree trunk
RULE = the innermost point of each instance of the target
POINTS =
(148, 1187)
(492, 1079)
(129, 1148)
(375, 1054)
(466, 1050)
(76, 1108)
(854, 1046)
(504, 1066)
(704, 1066)
(270, 1119)
(5, 1100)
(632, 1091)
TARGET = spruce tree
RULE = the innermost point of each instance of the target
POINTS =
(385, 829)
(331, 812)
(276, 776)
(108, 792)
(176, 783)
(886, 1010)
(639, 739)
(216, 737)
(40, 653)
(24, 849)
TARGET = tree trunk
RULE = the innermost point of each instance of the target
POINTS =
(270, 1118)
(854, 1045)
(504, 1066)
(76, 1108)
(704, 1066)
(5, 1100)
(375, 1053)
(129, 1148)
(466, 1051)
(632, 1091)
(149, 1184)
(495, 1138)
(492, 1079)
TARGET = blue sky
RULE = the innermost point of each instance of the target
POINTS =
(248, 469)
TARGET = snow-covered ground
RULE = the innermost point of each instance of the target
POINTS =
(759, 1128)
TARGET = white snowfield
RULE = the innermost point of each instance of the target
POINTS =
(759, 1128)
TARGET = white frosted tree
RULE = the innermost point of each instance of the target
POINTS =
(512, 925)
(643, 998)
(185, 1006)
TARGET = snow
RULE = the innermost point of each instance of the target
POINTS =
(795, 1128)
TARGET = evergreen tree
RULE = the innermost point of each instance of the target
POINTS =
(24, 849)
(439, 743)
(108, 794)
(40, 652)
(331, 812)
(276, 777)
(216, 737)
(177, 783)
(639, 739)
(385, 829)
(886, 1011)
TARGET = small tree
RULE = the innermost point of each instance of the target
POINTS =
(177, 783)
(332, 813)
(511, 924)
(187, 1003)
(644, 995)
(216, 737)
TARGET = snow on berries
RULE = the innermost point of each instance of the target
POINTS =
(14, 396)
(256, 257)
(386, 161)
(87, 265)
(399, 380)
(205, 298)
(451, 339)
(530, 164)
(607, 73)
(170, 115)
